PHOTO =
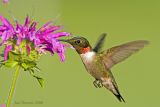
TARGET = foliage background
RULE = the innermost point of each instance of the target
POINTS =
(68, 84)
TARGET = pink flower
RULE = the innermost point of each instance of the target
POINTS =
(5, 1)
(3, 105)
(45, 39)
(7, 49)
(24, 44)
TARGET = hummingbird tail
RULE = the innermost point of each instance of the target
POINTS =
(119, 97)
(109, 84)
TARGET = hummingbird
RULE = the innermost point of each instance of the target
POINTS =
(99, 63)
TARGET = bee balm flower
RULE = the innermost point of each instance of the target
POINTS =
(24, 44)
(41, 40)
(5, 1)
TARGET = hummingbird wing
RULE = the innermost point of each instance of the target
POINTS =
(100, 42)
(119, 53)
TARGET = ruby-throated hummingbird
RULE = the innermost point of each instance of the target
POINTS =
(99, 63)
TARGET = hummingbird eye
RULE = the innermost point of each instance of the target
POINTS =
(77, 41)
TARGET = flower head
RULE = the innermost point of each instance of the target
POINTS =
(3, 105)
(24, 44)
(24, 37)
(5, 1)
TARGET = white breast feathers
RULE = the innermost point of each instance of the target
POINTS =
(88, 56)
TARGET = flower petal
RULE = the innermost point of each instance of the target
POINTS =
(5, 1)
(26, 21)
(28, 49)
(62, 56)
(44, 40)
(3, 105)
(5, 22)
(8, 48)
(60, 34)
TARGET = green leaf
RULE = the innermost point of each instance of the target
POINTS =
(13, 56)
(2, 63)
(10, 63)
(28, 65)
(37, 69)
(2, 55)
(34, 55)
(40, 80)
(24, 65)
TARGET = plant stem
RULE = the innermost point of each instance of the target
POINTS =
(15, 76)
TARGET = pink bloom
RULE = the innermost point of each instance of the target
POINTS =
(6, 29)
(44, 39)
(5, 1)
(6, 51)
(3, 105)
(28, 49)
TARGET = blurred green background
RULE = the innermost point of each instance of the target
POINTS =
(68, 84)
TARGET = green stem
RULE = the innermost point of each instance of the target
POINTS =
(15, 76)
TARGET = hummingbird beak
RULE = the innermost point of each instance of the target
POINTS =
(63, 40)
(69, 45)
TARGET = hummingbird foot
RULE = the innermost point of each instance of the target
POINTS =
(97, 83)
